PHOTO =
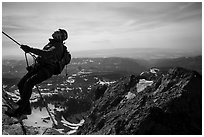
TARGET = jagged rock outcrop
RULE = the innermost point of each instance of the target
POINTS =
(172, 105)
(99, 91)
(13, 126)
(152, 74)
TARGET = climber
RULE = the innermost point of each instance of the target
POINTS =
(40, 71)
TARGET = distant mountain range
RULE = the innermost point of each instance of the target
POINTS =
(192, 63)
(17, 68)
(135, 53)
(138, 53)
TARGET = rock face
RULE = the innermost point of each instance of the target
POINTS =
(172, 105)
(13, 126)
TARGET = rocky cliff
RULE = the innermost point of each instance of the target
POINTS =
(171, 105)
(13, 126)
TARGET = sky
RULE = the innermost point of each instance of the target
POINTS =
(103, 25)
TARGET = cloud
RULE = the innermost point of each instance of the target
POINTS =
(98, 16)
(90, 25)
(151, 15)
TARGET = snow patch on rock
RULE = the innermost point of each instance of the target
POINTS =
(142, 84)
(130, 95)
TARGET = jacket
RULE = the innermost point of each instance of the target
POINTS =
(50, 54)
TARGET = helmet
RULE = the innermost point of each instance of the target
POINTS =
(64, 34)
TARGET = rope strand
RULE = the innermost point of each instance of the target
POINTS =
(20, 45)
(26, 58)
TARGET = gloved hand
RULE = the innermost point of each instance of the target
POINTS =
(29, 68)
(25, 48)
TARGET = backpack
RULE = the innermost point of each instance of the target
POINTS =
(65, 60)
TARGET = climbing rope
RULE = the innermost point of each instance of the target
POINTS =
(46, 106)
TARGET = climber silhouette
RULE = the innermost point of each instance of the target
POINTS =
(40, 71)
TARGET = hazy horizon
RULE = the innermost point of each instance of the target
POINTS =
(134, 53)
(104, 26)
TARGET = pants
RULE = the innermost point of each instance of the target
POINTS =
(33, 77)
